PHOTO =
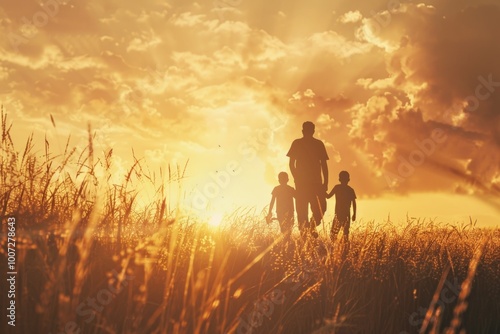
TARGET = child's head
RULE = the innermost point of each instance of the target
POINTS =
(283, 178)
(344, 177)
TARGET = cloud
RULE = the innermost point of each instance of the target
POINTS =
(435, 66)
(187, 19)
(351, 17)
(327, 122)
(196, 76)
(332, 42)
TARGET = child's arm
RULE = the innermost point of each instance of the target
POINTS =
(271, 205)
(331, 193)
(354, 209)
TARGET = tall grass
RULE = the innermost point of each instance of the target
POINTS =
(83, 239)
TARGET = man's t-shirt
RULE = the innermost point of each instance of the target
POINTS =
(344, 195)
(308, 152)
(284, 199)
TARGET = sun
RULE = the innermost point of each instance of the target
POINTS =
(215, 219)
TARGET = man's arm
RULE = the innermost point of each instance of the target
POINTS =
(354, 209)
(324, 169)
(291, 164)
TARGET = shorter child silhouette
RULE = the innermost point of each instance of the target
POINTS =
(283, 196)
(344, 196)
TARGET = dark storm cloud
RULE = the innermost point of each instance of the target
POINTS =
(443, 74)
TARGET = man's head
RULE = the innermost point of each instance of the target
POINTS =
(308, 129)
(283, 178)
(344, 177)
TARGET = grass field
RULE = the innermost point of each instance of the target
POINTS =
(90, 260)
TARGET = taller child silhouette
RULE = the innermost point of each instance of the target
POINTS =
(307, 164)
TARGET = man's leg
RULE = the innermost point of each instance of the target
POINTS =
(312, 202)
(318, 205)
(301, 206)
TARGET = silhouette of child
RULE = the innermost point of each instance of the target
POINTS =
(283, 196)
(344, 196)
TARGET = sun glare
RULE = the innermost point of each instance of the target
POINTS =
(215, 220)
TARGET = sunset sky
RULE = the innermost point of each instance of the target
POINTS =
(405, 95)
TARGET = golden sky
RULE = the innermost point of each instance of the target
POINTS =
(405, 95)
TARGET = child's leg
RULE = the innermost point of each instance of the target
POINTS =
(288, 235)
(347, 226)
(335, 228)
(286, 225)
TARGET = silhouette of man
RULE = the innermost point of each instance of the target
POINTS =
(307, 162)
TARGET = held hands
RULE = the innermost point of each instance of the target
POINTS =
(354, 217)
(268, 218)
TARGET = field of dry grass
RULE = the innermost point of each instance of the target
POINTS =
(89, 260)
